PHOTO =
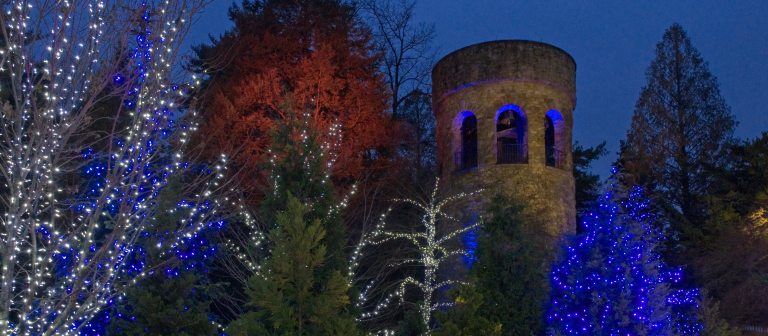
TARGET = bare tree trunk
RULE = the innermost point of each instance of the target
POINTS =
(433, 246)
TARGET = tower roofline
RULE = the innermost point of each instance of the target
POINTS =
(502, 41)
(522, 61)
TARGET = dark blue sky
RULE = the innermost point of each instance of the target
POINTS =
(613, 43)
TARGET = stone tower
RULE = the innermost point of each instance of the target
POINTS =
(504, 113)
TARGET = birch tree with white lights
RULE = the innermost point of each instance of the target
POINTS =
(436, 245)
(80, 176)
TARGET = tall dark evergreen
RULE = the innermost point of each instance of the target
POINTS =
(510, 269)
(680, 128)
(587, 183)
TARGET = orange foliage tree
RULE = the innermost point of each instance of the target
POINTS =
(310, 57)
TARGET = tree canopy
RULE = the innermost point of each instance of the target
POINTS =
(680, 128)
(314, 56)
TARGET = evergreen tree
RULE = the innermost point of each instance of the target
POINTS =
(466, 317)
(680, 127)
(411, 324)
(300, 289)
(509, 273)
(290, 296)
(164, 304)
(743, 182)
(174, 298)
(737, 277)
(609, 280)
(587, 184)
(301, 168)
(714, 324)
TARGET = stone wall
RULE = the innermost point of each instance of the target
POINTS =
(483, 78)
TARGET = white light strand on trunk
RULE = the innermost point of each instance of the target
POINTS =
(66, 254)
(433, 248)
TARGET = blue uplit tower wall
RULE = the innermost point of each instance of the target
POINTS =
(504, 113)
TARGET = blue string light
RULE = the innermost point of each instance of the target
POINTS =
(609, 280)
(193, 252)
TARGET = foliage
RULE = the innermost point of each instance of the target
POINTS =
(164, 305)
(466, 317)
(174, 299)
(299, 288)
(610, 279)
(411, 324)
(680, 127)
(290, 296)
(301, 167)
(736, 276)
(743, 182)
(316, 55)
(714, 325)
(508, 273)
(587, 184)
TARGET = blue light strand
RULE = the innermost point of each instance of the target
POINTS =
(150, 157)
(609, 280)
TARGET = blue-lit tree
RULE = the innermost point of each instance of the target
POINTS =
(175, 298)
(73, 215)
(609, 280)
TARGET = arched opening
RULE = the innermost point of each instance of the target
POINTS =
(554, 143)
(511, 135)
(465, 157)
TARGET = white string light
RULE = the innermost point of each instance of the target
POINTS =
(433, 248)
(60, 267)
(250, 253)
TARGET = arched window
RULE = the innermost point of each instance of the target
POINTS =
(465, 156)
(553, 139)
(511, 135)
